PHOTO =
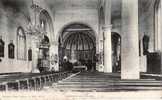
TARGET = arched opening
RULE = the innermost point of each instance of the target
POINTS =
(21, 44)
(154, 58)
(116, 52)
(30, 54)
(158, 39)
(46, 28)
(11, 50)
(77, 45)
(45, 22)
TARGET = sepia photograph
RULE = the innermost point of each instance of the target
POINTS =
(80, 49)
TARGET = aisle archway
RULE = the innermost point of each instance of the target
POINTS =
(116, 52)
(77, 43)
(44, 41)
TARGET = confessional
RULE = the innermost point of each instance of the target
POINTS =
(154, 62)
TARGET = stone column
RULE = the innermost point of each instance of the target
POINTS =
(107, 49)
(107, 38)
(54, 59)
(130, 47)
(35, 52)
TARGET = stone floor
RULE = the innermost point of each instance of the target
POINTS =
(105, 82)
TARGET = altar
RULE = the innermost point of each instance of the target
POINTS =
(80, 68)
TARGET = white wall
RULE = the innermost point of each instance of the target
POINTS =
(69, 16)
(61, 16)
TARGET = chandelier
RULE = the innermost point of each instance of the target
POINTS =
(34, 28)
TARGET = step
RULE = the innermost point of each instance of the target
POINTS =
(93, 78)
(110, 80)
(108, 89)
(108, 85)
(86, 76)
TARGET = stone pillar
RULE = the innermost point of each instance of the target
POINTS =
(107, 49)
(107, 38)
(35, 52)
(161, 29)
(143, 58)
(130, 47)
(54, 59)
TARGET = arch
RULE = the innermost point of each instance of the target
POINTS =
(11, 50)
(156, 4)
(116, 51)
(21, 44)
(116, 34)
(77, 41)
(157, 25)
(72, 23)
(45, 21)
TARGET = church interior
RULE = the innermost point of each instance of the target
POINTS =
(104, 40)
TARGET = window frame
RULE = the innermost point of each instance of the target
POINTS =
(11, 53)
(22, 36)
(3, 48)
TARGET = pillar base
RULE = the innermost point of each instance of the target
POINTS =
(107, 69)
(143, 64)
(130, 76)
(107, 49)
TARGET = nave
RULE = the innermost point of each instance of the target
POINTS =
(29, 81)
(77, 82)
(118, 43)
(106, 82)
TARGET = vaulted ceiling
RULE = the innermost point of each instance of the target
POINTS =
(20, 5)
(62, 4)
(94, 4)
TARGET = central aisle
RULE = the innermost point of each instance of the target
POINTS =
(104, 82)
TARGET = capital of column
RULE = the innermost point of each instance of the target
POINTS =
(107, 27)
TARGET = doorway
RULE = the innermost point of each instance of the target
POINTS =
(116, 52)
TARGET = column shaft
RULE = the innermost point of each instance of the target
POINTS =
(130, 47)
(107, 38)
(107, 50)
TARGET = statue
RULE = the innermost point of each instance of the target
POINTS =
(146, 40)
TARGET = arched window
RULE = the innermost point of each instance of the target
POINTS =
(11, 51)
(21, 44)
(2, 44)
(30, 55)
(158, 25)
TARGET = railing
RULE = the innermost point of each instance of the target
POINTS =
(30, 81)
